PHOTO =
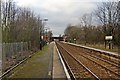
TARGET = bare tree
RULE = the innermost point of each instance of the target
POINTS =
(107, 15)
(8, 18)
(118, 25)
(21, 21)
(72, 32)
(86, 23)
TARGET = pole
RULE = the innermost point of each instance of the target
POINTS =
(109, 44)
(105, 44)
(46, 35)
(40, 32)
(0, 41)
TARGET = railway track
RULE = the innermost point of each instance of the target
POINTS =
(95, 66)
(106, 56)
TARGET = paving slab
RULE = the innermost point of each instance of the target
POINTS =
(58, 70)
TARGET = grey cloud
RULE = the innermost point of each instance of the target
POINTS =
(61, 13)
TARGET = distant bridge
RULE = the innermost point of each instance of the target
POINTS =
(57, 38)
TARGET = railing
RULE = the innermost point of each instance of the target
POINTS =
(12, 53)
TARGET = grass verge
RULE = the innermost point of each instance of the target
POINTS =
(102, 47)
(26, 69)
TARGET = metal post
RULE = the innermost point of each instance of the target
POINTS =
(44, 23)
(1, 46)
(40, 41)
(46, 36)
(109, 44)
(41, 31)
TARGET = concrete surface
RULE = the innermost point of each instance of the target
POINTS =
(58, 71)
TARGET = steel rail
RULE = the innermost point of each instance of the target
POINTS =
(82, 64)
(101, 65)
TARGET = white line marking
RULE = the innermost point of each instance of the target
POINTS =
(49, 73)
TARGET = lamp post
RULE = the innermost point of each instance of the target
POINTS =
(2, 61)
(46, 33)
(43, 26)
(41, 30)
(50, 36)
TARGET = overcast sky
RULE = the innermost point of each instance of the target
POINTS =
(60, 13)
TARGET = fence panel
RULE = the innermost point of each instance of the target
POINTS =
(13, 53)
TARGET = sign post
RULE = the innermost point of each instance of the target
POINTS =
(75, 40)
(109, 40)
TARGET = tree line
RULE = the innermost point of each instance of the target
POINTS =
(107, 14)
(19, 24)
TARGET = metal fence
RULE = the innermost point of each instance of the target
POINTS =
(12, 53)
(0, 58)
(11, 49)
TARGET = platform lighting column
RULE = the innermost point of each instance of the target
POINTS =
(43, 22)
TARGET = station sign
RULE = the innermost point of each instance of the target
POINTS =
(42, 37)
(108, 37)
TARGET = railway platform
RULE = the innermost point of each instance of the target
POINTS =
(58, 70)
(45, 64)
